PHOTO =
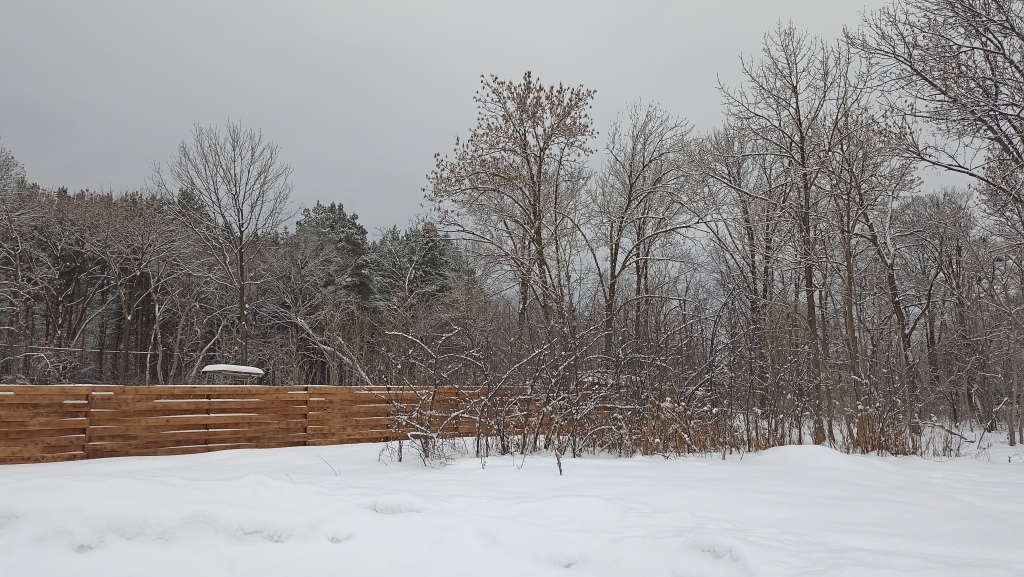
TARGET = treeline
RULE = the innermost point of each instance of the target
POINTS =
(783, 279)
(103, 288)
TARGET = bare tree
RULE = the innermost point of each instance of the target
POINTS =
(233, 192)
(14, 210)
(794, 100)
(508, 184)
(954, 85)
(639, 200)
(954, 77)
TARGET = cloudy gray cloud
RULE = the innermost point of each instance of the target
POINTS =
(358, 95)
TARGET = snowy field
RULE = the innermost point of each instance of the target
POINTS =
(285, 512)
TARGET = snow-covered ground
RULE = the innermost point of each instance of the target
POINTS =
(285, 512)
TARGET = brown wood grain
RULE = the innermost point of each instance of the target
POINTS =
(114, 432)
(238, 396)
(15, 434)
(67, 442)
(49, 458)
(41, 423)
(180, 439)
(98, 452)
(193, 404)
(43, 447)
(14, 408)
(112, 420)
(99, 415)
(356, 411)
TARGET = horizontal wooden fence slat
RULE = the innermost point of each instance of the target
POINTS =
(108, 414)
(100, 452)
(201, 434)
(183, 439)
(17, 434)
(29, 450)
(184, 420)
(359, 410)
(112, 432)
(44, 423)
(41, 423)
(194, 404)
(44, 458)
(57, 406)
(149, 397)
(57, 441)
(12, 399)
(166, 390)
(321, 420)
(368, 437)
(34, 416)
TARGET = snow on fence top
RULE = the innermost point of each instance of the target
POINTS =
(240, 370)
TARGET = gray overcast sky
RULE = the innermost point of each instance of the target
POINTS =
(358, 95)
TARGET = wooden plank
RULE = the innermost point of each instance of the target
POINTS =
(353, 410)
(370, 399)
(317, 402)
(114, 432)
(351, 428)
(51, 458)
(273, 444)
(181, 439)
(213, 389)
(48, 440)
(103, 415)
(51, 444)
(71, 445)
(241, 396)
(41, 423)
(340, 417)
(364, 410)
(379, 389)
(112, 419)
(379, 426)
(344, 393)
(99, 452)
(6, 400)
(219, 391)
(193, 404)
(32, 416)
(333, 419)
(316, 435)
(311, 435)
(15, 407)
(352, 439)
(336, 420)
(151, 447)
(41, 433)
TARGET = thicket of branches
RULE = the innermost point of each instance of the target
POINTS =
(782, 279)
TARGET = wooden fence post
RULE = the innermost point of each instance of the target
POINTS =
(305, 420)
(88, 425)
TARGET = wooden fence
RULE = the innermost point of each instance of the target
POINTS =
(41, 423)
